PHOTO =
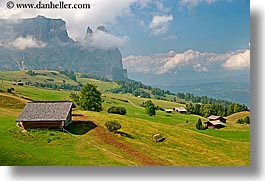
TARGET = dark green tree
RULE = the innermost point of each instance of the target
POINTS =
(113, 126)
(90, 98)
(199, 124)
(150, 108)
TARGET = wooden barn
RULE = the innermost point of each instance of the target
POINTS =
(215, 118)
(181, 110)
(215, 122)
(45, 115)
(168, 110)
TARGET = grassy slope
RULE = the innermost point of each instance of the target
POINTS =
(101, 86)
(35, 93)
(184, 145)
(45, 74)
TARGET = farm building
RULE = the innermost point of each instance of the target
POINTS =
(181, 110)
(44, 115)
(168, 110)
(215, 122)
(215, 118)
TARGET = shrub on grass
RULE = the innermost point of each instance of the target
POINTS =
(113, 126)
(245, 120)
(117, 110)
(199, 125)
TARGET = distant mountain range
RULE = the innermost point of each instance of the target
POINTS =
(43, 43)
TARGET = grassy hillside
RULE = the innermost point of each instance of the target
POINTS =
(42, 76)
(234, 117)
(91, 144)
(101, 86)
(34, 93)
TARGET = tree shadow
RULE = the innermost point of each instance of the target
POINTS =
(77, 115)
(125, 134)
(80, 127)
(161, 140)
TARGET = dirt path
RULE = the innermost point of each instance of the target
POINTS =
(109, 138)
(134, 105)
(137, 155)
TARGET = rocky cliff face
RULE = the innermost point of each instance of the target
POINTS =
(43, 43)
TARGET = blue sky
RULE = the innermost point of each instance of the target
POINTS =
(218, 26)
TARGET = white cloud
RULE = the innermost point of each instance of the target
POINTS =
(100, 12)
(199, 68)
(146, 64)
(22, 43)
(104, 40)
(198, 61)
(239, 61)
(179, 58)
(159, 24)
(194, 3)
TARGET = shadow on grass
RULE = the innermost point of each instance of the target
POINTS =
(161, 140)
(80, 127)
(77, 115)
(125, 134)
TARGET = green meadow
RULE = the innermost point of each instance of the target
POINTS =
(86, 141)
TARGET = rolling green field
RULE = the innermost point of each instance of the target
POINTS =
(87, 142)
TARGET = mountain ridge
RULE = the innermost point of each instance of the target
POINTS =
(43, 43)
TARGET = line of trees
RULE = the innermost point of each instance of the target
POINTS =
(69, 73)
(91, 76)
(215, 109)
(55, 86)
(203, 99)
(139, 89)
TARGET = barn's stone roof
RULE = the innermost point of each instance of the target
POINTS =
(45, 111)
(180, 109)
(213, 117)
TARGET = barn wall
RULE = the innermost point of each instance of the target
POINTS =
(42, 125)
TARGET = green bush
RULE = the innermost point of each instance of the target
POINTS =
(245, 120)
(199, 125)
(150, 108)
(113, 126)
(117, 110)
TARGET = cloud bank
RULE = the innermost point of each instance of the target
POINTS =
(104, 40)
(199, 61)
(238, 61)
(22, 43)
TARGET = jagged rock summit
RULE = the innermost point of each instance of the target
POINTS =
(43, 43)
(102, 28)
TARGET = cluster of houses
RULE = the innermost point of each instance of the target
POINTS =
(18, 83)
(213, 120)
(180, 110)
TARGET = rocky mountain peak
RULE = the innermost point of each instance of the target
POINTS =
(89, 32)
(102, 28)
